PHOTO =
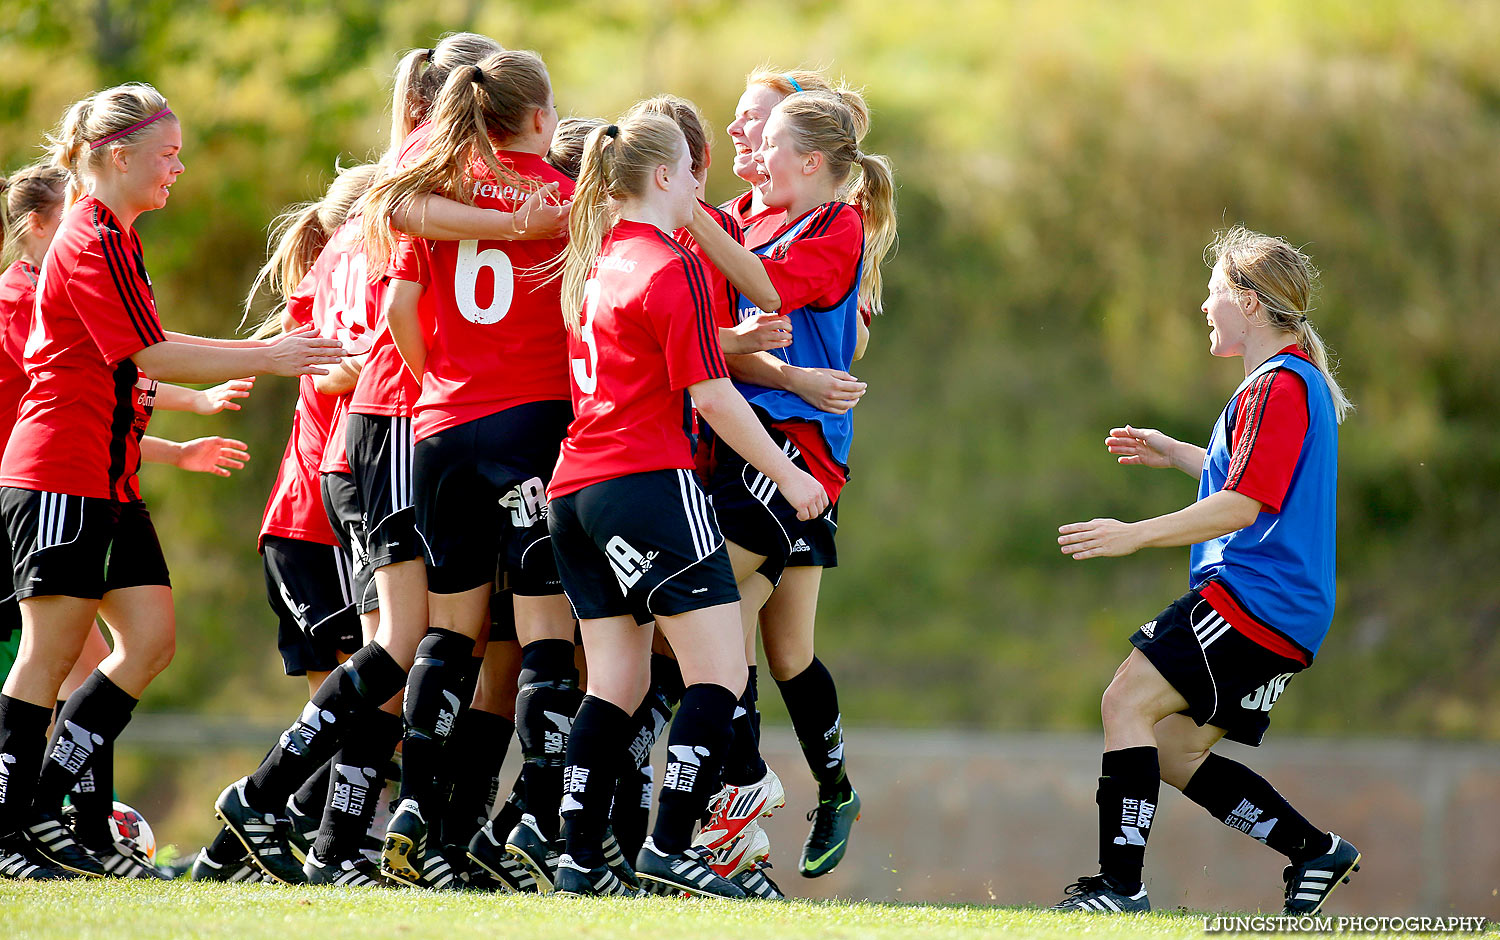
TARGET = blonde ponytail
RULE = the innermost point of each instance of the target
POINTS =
(833, 123)
(1284, 281)
(618, 161)
(421, 75)
(39, 188)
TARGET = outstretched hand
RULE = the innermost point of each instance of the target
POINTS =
(760, 332)
(1142, 447)
(216, 455)
(1098, 538)
(304, 352)
(211, 401)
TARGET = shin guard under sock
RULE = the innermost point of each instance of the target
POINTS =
(354, 785)
(23, 741)
(1242, 799)
(812, 702)
(93, 716)
(367, 679)
(597, 750)
(695, 759)
(434, 700)
(545, 705)
(1128, 789)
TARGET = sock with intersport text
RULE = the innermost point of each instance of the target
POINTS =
(545, 705)
(695, 759)
(1129, 784)
(1242, 799)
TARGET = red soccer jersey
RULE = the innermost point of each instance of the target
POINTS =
(336, 452)
(648, 334)
(1267, 436)
(498, 339)
(17, 298)
(336, 298)
(386, 386)
(758, 228)
(724, 295)
(80, 423)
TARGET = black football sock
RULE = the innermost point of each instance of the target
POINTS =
(631, 813)
(545, 706)
(367, 679)
(23, 741)
(666, 678)
(1242, 799)
(434, 700)
(474, 755)
(695, 760)
(510, 812)
(225, 849)
(94, 715)
(93, 796)
(1128, 788)
(358, 776)
(812, 702)
(596, 753)
(312, 796)
(743, 765)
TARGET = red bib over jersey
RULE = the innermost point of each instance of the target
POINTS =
(80, 423)
(17, 299)
(339, 300)
(498, 338)
(648, 333)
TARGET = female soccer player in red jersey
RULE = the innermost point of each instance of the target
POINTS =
(820, 270)
(633, 533)
(32, 207)
(1213, 664)
(82, 539)
(486, 438)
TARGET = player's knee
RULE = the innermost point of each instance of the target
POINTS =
(1120, 704)
(787, 661)
(1178, 766)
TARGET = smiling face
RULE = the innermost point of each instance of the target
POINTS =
(149, 167)
(1229, 320)
(786, 172)
(746, 130)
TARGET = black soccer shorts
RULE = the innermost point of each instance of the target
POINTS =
(380, 458)
(482, 499)
(311, 589)
(1228, 680)
(644, 545)
(78, 546)
(753, 513)
(341, 502)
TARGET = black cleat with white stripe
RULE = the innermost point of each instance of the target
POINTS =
(573, 880)
(357, 872)
(686, 872)
(488, 854)
(262, 835)
(124, 860)
(1096, 894)
(614, 857)
(54, 843)
(757, 884)
(240, 872)
(527, 846)
(1308, 885)
(19, 861)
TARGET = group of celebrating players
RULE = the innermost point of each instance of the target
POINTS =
(561, 426)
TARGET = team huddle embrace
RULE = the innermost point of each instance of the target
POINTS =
(567, 453)
(568, 442)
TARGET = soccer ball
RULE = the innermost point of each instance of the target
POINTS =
(130, 829)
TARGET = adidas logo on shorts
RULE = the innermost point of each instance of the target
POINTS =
(1149, 629)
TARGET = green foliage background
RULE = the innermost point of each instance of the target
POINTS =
(1061, 166)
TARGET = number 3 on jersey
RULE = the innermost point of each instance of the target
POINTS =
(466, 282)
(586, 371)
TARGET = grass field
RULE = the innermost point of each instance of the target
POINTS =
(122, 909)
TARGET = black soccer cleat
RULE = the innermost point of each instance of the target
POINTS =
(489, 856)
(124, 860)
(686, 872)
(527, 846)
(1309, 884)
(358, 872)
(401, 857)
(54, 844)
(240, 872)
(1096, 894)
(573, 880)
(757, 884)
(262, 835)
(301, 831)
(831, 821)
(19, 861)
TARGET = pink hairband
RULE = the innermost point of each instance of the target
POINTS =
(129, 130)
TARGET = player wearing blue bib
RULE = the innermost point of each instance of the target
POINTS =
(1213, 664)
(819, 270)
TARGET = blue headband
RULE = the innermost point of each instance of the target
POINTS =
(789, 78)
